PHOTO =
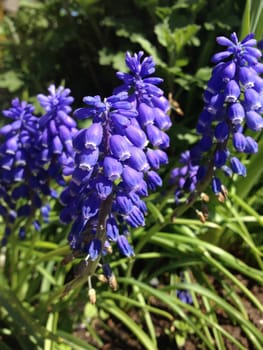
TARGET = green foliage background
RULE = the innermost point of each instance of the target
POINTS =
(80, 44)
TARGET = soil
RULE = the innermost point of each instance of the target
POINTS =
(117, 337)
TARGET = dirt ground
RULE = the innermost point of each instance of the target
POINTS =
(117, 337)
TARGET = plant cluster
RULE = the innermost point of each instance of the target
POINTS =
(100, 225)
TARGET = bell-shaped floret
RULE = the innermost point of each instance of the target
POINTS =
(239, 141)
(87, 159)
(112, 229)
(90, 207)
(247, 77)
(138, 159)
(103, 187)
(123, 204)
(161, 120)
(236, 113)
(93, 249)
(112, 168)
(136, 136)
(124, 246)
(93, 136)
(237, 167)
(146, 114)
(232, 91)
(251, 145)
(220, 158)
(254, 121)
(135, 217)
(252, 100)
(132, 178)
(222, 132)
(153, 180)
(120, 147)
(216, 185)
(156, 158)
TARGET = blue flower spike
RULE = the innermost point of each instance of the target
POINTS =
(34, 151)
(233, 103)
(115, 159)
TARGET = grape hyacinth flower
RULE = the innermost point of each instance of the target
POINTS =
(233, 103)
(185, 296)
(57, 130)
(23, 182)
(185, 177)
(116, 161)
(34, 151)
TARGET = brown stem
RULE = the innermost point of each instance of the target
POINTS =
(104, 211)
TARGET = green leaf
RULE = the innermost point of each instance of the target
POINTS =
(186, 35)
(51, 326)
(203, 74)
(169, 241)
(146, 314)
(10, 80)
(252, 19)
(132, 302)
(22, 318)
(247, 208)
(116, 60)
(256, 10)
(246, 26)
(178, 307)
(176, 40)
(164, 34)
(75, 343)
(157, 215)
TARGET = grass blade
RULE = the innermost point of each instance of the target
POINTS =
(130, 324)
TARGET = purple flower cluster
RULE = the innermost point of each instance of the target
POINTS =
(185, 296)
(57, 130)
(27, 159)
(116, 161)
(184, 178)
(233, 103)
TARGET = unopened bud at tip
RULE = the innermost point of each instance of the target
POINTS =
(92, 296)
